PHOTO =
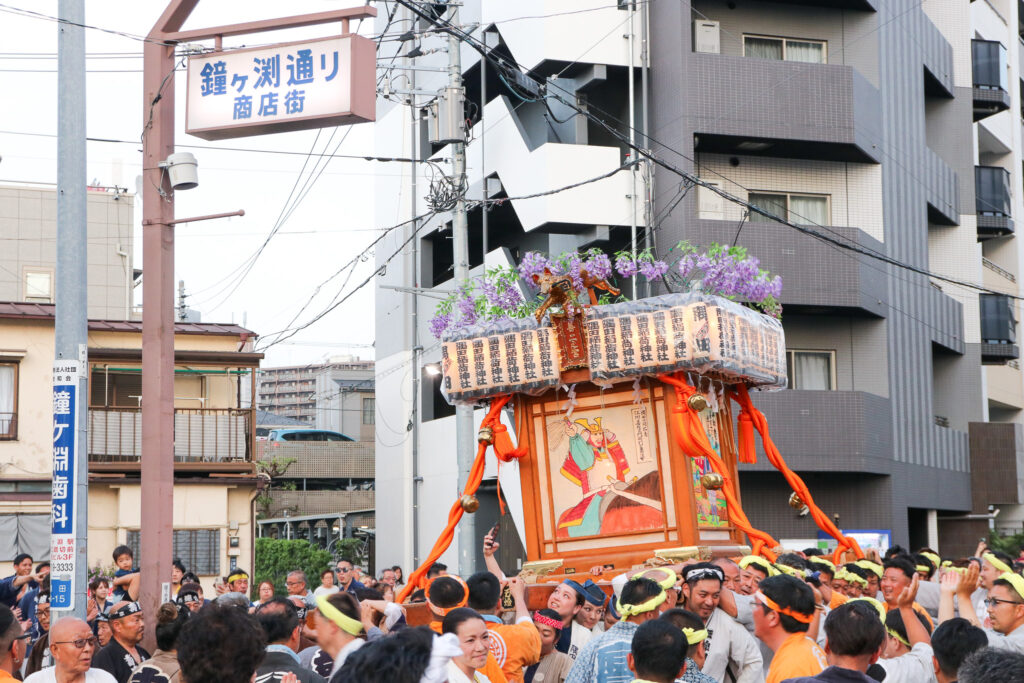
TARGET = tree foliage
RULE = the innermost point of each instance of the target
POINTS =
(1011, 545)
(276, 557)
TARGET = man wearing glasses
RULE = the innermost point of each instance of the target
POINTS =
(346, 578)
(72, 645)
(122, 653)
(1004, 604)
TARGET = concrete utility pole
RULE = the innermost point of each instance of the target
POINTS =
(71, 317)
(464, 440)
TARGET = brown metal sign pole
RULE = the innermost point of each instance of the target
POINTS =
(158, 294)
(157, 487)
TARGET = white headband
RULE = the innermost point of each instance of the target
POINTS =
(441, 652)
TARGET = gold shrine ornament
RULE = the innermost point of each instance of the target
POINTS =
(712, 481)
(697, 402)
(796, 502)
(469, 503)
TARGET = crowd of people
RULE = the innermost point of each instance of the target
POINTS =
(897, 617)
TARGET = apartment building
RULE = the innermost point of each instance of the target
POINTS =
(890, 127)
(28, 248)
(337, 395)
(215, 480)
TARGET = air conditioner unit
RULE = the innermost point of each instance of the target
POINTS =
(705, 37)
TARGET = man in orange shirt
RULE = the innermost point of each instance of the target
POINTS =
(784, 611)
(445, 593)
(514, 646)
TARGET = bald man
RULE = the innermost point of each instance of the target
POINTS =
(72, 645)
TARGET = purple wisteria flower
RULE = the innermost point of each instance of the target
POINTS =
(439, 324)
(599, 266)
(625, 265)
(533, 263)
(652, 270)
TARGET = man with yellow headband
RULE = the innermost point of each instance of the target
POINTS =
(603, 658)
(731, 650)
(782, 617)
(754, 569)
(238, 581)
(696, 637)
(338, 626)
(1005, 606)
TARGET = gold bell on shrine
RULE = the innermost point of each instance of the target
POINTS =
(697, 402)
(712, 481)
(796, 502)
(469, 503)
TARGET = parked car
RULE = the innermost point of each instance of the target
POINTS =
(306, 435)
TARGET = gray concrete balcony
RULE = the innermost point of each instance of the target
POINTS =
(816, 276)
(816, 111)
(828, 431)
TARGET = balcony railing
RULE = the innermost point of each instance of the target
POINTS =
(991, 85)
(993, 202)
(200, 434)
(998, 329)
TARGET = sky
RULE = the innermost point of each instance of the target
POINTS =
(332, 224)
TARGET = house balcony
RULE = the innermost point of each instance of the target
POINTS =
(993, 201)
(811, 427)
(205, 439)
(991, 87)
(818, 277)
(817, 111)
(998, 329)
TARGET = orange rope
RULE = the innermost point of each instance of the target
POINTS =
(693, 440)
(757, 418)
(476, 475)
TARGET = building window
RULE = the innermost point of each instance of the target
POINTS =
(805, 209)
(811, 370)
(39, 286)
(369, 411)
(198, 549)
(785, 49)
(8, 401)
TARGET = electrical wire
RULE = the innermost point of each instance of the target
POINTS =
(500, 64)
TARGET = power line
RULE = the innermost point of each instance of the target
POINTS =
(500, 64)
(39, 15)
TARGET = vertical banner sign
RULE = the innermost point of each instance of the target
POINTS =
(65, 456)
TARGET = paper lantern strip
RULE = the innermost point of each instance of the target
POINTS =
(493, 362)
(685, 332)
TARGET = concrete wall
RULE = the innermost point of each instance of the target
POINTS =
(28, 242)
(114, 509)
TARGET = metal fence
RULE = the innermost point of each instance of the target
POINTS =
(200, 434)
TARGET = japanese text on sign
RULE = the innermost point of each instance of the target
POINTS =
(281, 87)
(63, 521)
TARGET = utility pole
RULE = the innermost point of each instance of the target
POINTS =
(464, 440)
(71, 326)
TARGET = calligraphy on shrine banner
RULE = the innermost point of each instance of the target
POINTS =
(508, 360)
(688, 333)
(291, 86)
